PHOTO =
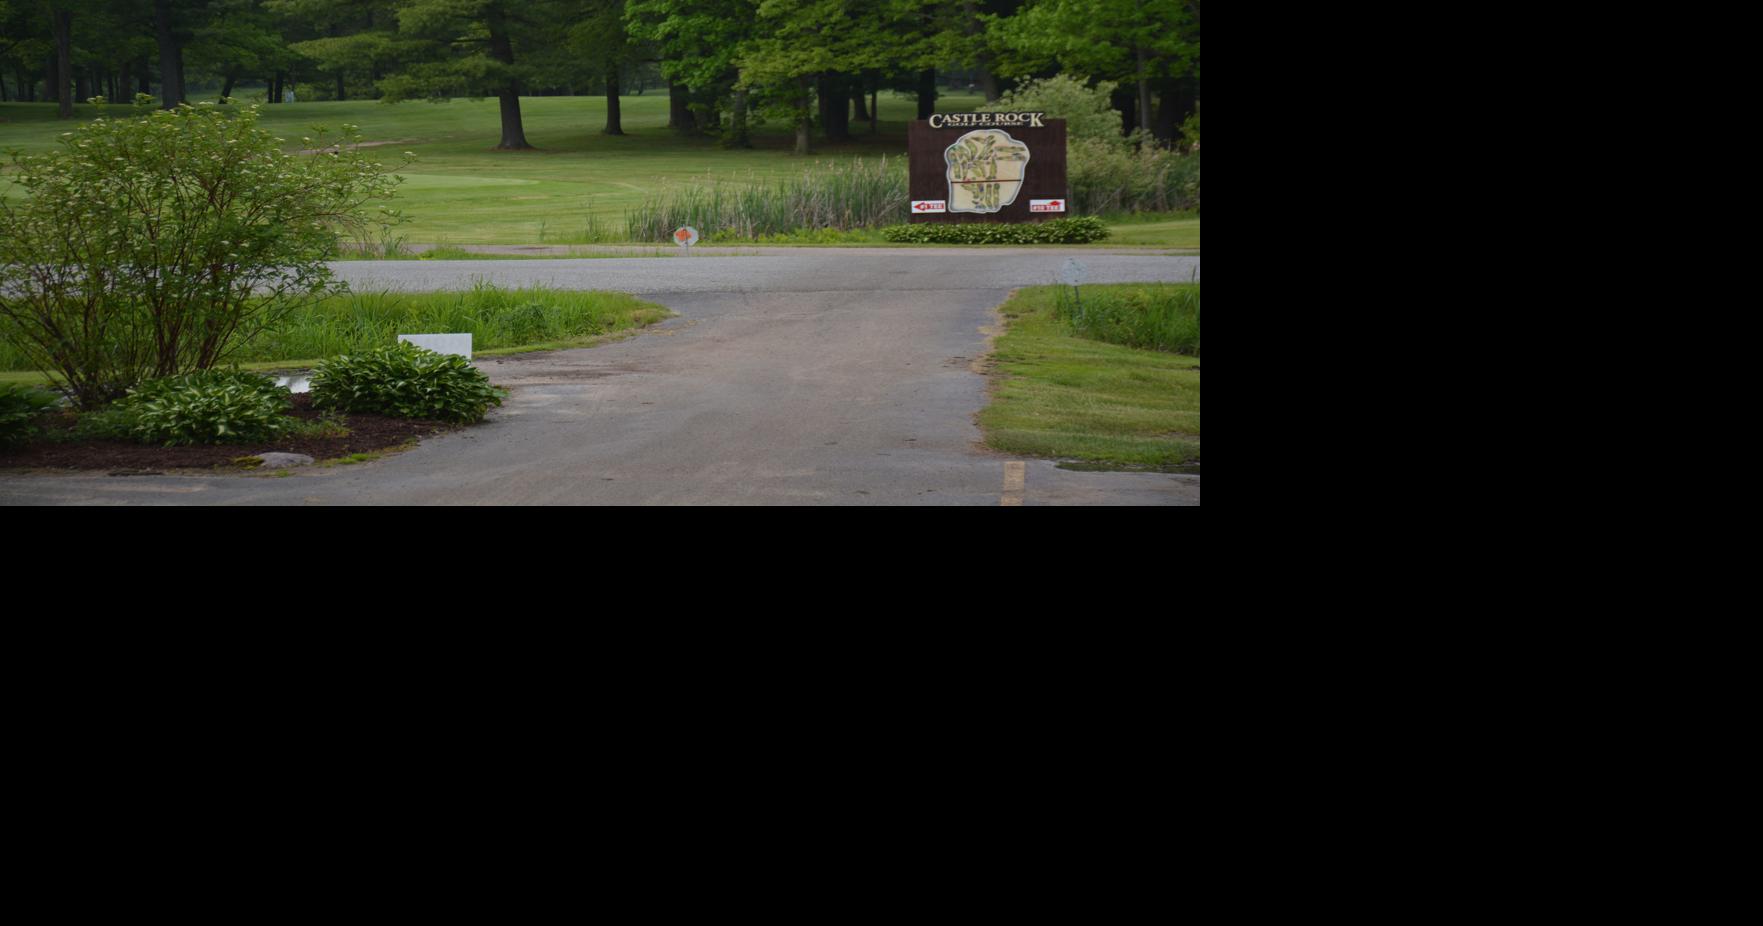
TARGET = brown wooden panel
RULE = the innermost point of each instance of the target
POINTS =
(1044, 178)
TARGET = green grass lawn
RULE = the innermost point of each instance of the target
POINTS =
(578, 182)
(500, 321)
(1059, 396)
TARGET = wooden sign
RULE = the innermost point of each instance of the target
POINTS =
(987, 167)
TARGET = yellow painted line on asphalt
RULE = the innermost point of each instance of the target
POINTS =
(1015, 476)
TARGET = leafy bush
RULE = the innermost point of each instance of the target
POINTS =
(1154, 317)
(405, 381)
(1106, 177)
(212, 407)
(165, 387)
(1075, 230)
(1105, 170)
(1088, 112)
(157, 244)
(19, 407)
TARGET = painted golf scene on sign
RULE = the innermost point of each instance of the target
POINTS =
(986, 170)
(599, 252)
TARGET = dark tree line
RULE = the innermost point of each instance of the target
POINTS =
(817, 64)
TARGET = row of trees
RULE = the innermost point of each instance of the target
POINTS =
(811, 62)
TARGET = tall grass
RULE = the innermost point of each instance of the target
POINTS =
(496, 318)
(1116, 177)
(1160, 317)
(841, 196)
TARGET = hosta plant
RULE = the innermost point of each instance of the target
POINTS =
(405, 381)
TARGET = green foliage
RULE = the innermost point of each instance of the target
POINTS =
(1075, 230)
(19, 407)
(1103, 38)
(1088, 112)
(1074, 398)
(858, 194)
(405, 381)
(1106, 171)
(211, 407)
(161, 243)
(495, 318)
(1163, 318)
(1116, 177)
(156, 389)
(114, 423)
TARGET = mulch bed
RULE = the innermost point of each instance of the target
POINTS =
(367, 434)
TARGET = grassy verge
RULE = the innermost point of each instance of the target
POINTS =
(500, 321)
(1061, 396)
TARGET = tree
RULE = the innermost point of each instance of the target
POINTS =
(599, 39)
(467, 48)
(799, 43)
(349, 39)
(1128, 40)
(700, 43)
(159, 244)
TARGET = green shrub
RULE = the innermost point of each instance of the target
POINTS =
(114, 423)
(405, 381)
(1153, 317)
(164, 387)
(1088, 112)
(1108, 177)
(1075, 230)
(1107, 171)
(158, 243)
(19, 408)
(208, 408)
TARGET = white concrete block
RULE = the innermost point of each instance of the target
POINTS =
(442, 343)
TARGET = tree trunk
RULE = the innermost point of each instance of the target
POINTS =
(862, 112)
(679, 110)
(63, 62)
(835, 108)
(226, 89)
(146, 77)
(803, 124)
(82, 85)
(614, 122)
(3, 97)
(502, 49)
(737, 123)
(171, 64)
(275, 88)
(841, 109)
(927, 92)
(342, 88)
(874, 109)
(989, 83)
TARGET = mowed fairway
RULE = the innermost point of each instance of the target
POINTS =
(462, 191)
(576, 187)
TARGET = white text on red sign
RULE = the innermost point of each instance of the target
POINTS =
(930, 205)
(1046, 205)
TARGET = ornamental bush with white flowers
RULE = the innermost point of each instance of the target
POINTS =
(159, 243)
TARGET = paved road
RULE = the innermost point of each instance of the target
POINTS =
(817, 377)
(862, 270)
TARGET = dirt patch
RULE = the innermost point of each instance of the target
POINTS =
(367, 434)
(365, 144)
